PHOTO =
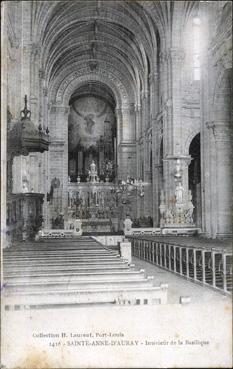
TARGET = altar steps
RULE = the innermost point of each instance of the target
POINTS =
(68, 273)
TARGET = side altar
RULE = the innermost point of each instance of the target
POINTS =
(93, 202)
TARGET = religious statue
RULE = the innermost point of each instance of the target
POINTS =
(25, 185)
(127, 225)
(179, 193)
(168, 216)
(89, 123)
(93, 168)
(92, 173)
(189, 216)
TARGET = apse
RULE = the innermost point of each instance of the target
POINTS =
(92, 133)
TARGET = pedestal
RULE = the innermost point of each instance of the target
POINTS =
(125, 250)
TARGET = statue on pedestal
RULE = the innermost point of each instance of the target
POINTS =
(93, 172)
(127, 226)
(189, 212)
(179, 193)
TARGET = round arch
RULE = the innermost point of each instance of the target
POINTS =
(62, 93)
(191, 134)
(194, 175)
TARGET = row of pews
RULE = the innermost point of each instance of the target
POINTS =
(73, 272)
(210, 266)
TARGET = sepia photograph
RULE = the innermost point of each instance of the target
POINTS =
(116, 184)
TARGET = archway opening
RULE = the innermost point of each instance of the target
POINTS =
(92, 133)
(195, 177)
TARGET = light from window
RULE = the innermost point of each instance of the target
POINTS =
(196, 49)
(196, 21)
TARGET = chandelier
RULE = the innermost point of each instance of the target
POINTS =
(130, 185)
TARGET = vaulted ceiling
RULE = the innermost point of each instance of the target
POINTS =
(118, 37)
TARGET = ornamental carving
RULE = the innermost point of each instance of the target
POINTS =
(176, 55)
(105, 71)
(83, 76)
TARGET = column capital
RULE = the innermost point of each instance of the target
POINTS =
(163, 57)
(45, 91)
(56, 109)
(42, 73)
(35, 49)
(132, 108)
(186, 159)
(153, 76)
(138, 108)
(176, 55)
(144, 94)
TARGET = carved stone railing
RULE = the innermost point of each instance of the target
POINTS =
(55, 233)
(185, 231)
(143, 231)
(208, 266)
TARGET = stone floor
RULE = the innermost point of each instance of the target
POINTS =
(178, 286)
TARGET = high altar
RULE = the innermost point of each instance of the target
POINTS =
(94, 202)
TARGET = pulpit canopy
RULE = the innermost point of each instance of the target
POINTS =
(24, 137)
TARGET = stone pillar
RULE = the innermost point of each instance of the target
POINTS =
(119, 118)
(126, 142)
(26, 50)
(138, 113)
(157, 163)
(35, 85)
(58, 158)
(148, 194)
(222, 201)
(171, 64)
(156, 132)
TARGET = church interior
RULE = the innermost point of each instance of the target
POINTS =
(116, 152)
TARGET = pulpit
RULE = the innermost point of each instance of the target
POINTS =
(24, 215)
(24, 208)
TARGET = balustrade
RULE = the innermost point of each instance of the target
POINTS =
(209, 267)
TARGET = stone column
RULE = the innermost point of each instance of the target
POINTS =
(171, 63)
(118, 113)
(148, 194)
(26, 50)
(222, 201)
(138, 113)
(58, 157)
(126, 141)
(157, 134)
(46, 155)
(154, 87)
(35, 85)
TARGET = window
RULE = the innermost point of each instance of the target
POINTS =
(196, 49)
